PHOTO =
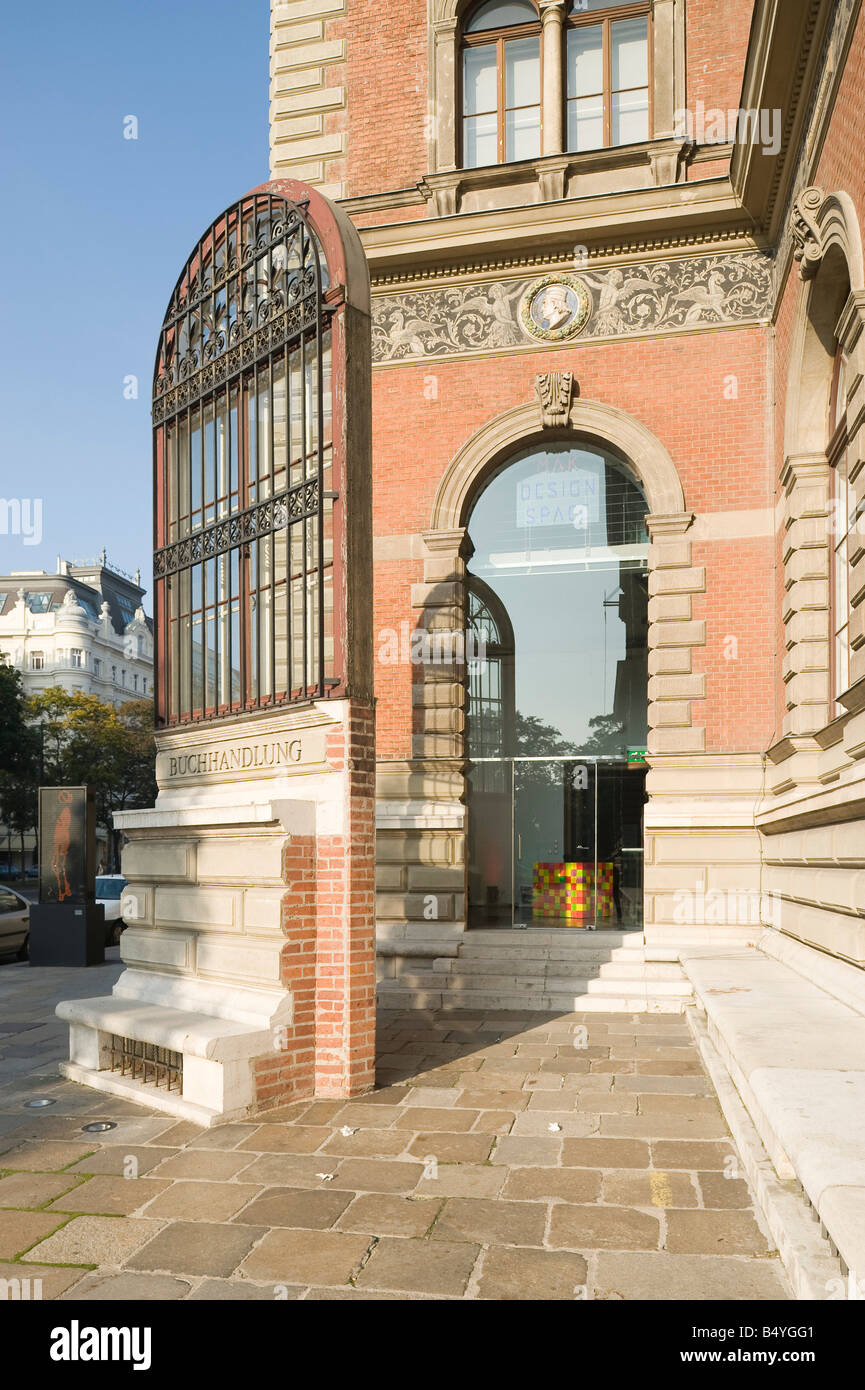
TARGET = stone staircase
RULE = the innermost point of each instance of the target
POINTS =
(559, 971)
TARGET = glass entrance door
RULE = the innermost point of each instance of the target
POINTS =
(556, 842)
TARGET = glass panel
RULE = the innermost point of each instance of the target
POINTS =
(197, 643)
(480, 141)
(556, 843)
(619, 878)
(195, 470)
(523, 133)
(480, 92)
(630, 117)
(629, 53)
(228, 448)
(501, 14)
(553, 844)
(490, 867)
(522, 72)
(585, 61)
(586, 123)
(560, 541)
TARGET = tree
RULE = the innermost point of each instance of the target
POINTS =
(19, 758)
(88, 742)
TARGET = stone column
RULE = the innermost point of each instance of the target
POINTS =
(552, 96)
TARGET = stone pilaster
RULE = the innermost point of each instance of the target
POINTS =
(807, 482)
(673, 634)
(421, 812)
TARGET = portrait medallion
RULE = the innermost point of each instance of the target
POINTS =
(555, 308)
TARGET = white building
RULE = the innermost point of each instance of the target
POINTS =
(83, 628)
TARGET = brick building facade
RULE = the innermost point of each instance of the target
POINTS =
(689, 178)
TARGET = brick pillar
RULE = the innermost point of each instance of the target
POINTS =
(345, 966)
(328, 925)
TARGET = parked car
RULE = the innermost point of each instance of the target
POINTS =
(109, 891)
(14, 923)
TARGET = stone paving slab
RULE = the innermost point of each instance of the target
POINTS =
(503, 1156)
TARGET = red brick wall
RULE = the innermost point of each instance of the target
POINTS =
(740, 653)
(715, 45)
(387, 95)
(345, 998)
(842, 162)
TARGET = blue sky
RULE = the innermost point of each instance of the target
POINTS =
(94, 233)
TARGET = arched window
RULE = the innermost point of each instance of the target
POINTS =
(242, 409)
(501, 77)
(603, 52)
(843, 523)
(607, 58)
(491, 707)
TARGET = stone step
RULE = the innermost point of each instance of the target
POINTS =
(511, 984)
(551, 953)
(519, 938)
(556, 970)
(564, 969)
(397, 998)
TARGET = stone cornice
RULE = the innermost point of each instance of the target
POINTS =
(602, 252)
(782, 67)
(633, 222)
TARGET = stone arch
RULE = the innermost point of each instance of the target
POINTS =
(673, 686)
(588, 419)
(827, 244)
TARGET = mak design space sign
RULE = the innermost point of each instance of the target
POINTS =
(571, 498)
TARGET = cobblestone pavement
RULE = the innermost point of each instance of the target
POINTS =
(503, 1156)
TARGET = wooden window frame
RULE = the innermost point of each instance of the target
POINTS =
(603, 19)
(486, 38)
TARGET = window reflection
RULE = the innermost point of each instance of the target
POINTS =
(561, 550)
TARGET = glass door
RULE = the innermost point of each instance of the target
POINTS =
(556, 842)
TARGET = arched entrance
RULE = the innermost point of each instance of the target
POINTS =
(556, 722)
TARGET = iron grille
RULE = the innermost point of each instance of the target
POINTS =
(243, 501)
(146, 1062)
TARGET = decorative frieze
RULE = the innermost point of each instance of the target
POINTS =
(621, 301)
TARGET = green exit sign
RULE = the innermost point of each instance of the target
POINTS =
(637, 756)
